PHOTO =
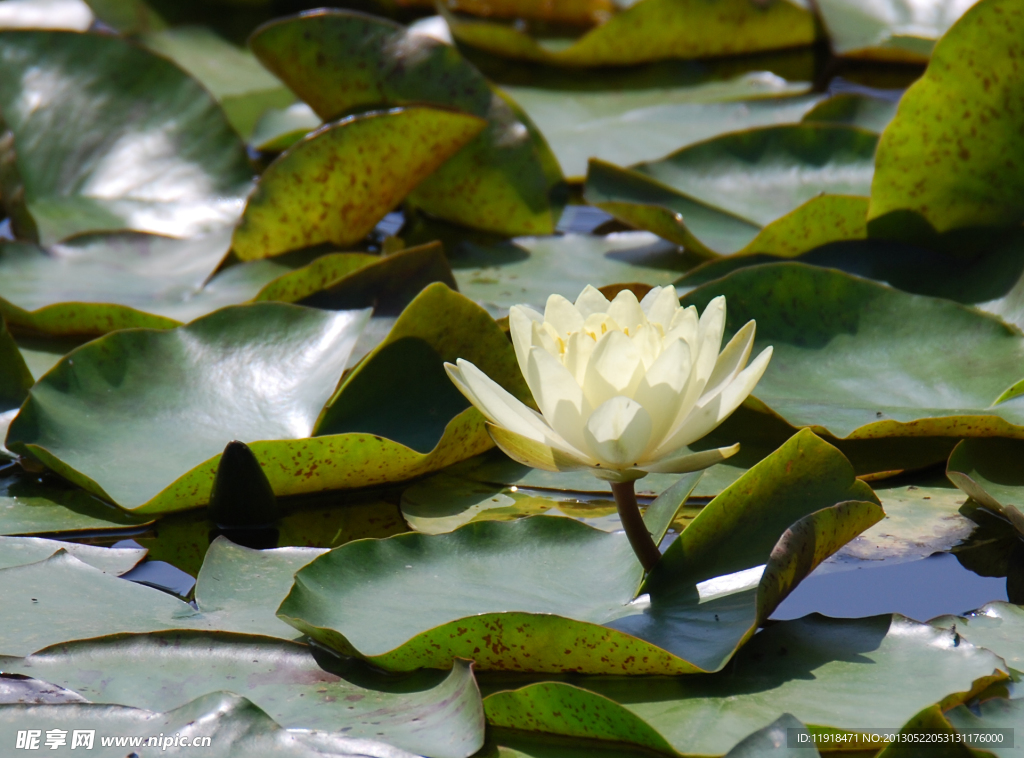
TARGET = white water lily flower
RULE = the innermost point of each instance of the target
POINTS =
(623, 387)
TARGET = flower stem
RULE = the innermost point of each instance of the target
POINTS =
(636, 530)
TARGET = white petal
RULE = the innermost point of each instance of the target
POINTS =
(520, 324)
(577, 355)
(684, 326)
(705, 417)
(563, 316)
(705, 354)
(732, 359)
(498, 406)
(648, 343)
(591, 301)
(542, 335)
(618, 432)
(660, 305)
(685, 462)
(626, 311)
(614, 369)
(558, 395)
(661, 390)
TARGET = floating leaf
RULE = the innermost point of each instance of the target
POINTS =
(128, 16)
(416, 600)
(280, 128)
(39, 598)
(150, 149)
(871, 113)
(830, 331)
(337, 183)
(829, 674)
(996, 626)
(655, 29)
(820, 221)
(163, 671)
(188, 380)
(505, 181)
(714, 197)
(20, 551)
(623, 124)
(989, 471)
(949, 155)
(15, 378)
(459, 617)
(15, 688)
(30, 504)
(241, 85)
(239, 589)
(890, 30)
(499, 275)
(997, 713)
(401, 390)
(236, 726)
(354, 280)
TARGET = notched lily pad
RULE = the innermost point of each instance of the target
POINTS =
(505, 181)
(830, 674)
(222, 718)
(567, 598)
(653, 30)
(989, 470)
(188, 381)
(150, 149)
(335, 184)
(296, 686)
(860, 361)
(714, 197)
(959, 171)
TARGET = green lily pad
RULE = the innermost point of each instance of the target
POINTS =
(501, 274)
(151, 150)
(653, 30)
(992, 281)
(996, 626)
(186, 380)
(244, 89)
(921, 519)
(889, 30)
(355, 280)
(337, 183)
(989, 471)
(98, 283)
(163, 671)
(407, 369)
(233, 724)
(448, 620)
(418, 600)
(505, 181)
(20, 551)
(239, 589)
(871, 113)
(828, 673)
(715, 196)
(15, 377)
(820, 221)
(280, 128)
(858, 360)
(997, 713)
(393, 418)
(30, 504)
(975, 183)
(624, 125)
(39, 598)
